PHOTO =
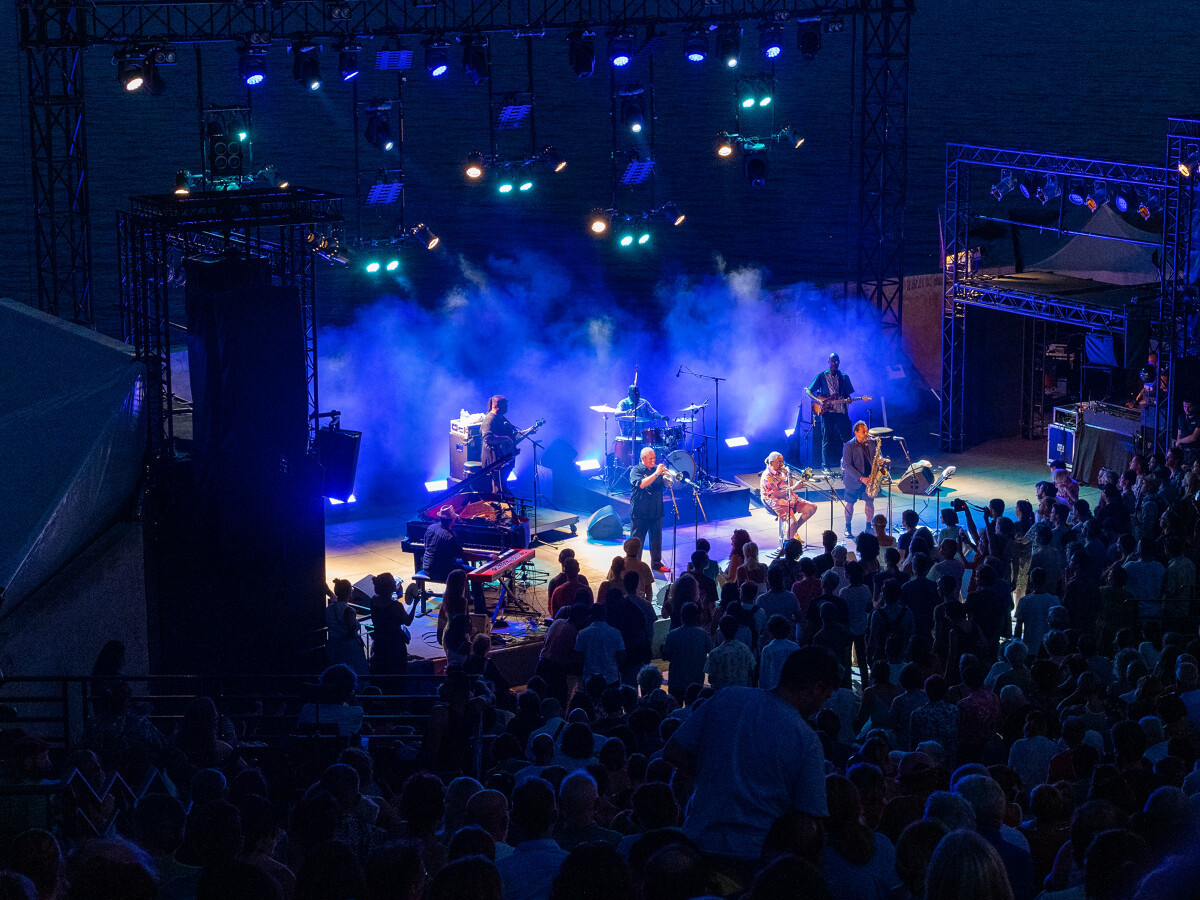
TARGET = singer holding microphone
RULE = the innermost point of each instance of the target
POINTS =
(646, 505)
(778, 490)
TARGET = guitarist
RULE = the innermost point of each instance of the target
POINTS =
(826, 390)
(499, 441)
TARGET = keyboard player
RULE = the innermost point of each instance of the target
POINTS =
(444, 554)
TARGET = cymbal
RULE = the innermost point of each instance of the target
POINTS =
(694, 407)
(685, 419)
(880, 432)
(604, 409)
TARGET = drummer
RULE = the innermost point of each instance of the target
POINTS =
(635, 412)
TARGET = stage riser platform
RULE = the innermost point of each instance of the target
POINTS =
(731, 501)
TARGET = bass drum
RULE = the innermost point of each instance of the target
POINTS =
(681, 461)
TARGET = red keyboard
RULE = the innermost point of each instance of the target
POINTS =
(501, 565)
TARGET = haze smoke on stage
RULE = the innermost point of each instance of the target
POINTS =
(554, 342)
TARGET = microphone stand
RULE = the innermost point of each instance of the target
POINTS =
(716, 380)
(674, 526)
(908, 459)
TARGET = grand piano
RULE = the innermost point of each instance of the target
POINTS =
(486, 521)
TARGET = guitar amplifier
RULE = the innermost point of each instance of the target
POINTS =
(466, 445)
(1060, 444)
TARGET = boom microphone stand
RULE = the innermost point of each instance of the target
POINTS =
(716, 380)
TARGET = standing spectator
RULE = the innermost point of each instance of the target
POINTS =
(987, 607)
(564, 576)
(890, 572)
(919, 595)
(836, 638)
(602, 647)
(779, 599)
(343, 642)
(564, 592)
(1118, 609)
(1146, 577)
(686, 648)
(859, 864)
(824, 560)
(1179, 586)
(634, 563)
(949, 563)
(978, 714)
(889, 618)
(528, 873)
(754, 757)
(730, 664)
(787, 563)
(776, 652)
(857, 597)
(1033, 611)
(1030, 756)
(936, 721)
(625, 614)
(752, 619)
(389, 619)
(741, 537)
(1047, 557)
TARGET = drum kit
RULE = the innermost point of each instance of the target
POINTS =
(674, 441)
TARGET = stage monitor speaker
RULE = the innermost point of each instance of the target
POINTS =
(338, 452)
(915, 480)
(605, 525)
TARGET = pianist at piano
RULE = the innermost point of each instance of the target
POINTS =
(443, 554)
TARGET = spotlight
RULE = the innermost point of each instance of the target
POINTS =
(764, 92)
(437, 57)
(181, 184)
(348, 64)
(1098, 196)
(625, 236)
(475, 58)
(808, 40)
(525, 186)
(588, 465)
(163, 56)
(1149, 206)
(379, 133)
(1004, 185)
(643, 236)
(581, 52)
(1025, 184)
(756, 169)
(598, 221)
(724, 146)
(425, 237)
(1121, 199)
(737, 442)
(437, 485)
(1075, 193)
(620, 48)
(505, 186)
(695, 45)
(729, 44)
(770, 39)
(553, 159)
(252, 66)
(476, 165)
(747, 97)
(671, 213)
(1050, 190)
(153, 83)
(131, 69)
(393, 265)
(632, 114)
(373, 266)
(792, 136)
(1189, 160)
(306, 65)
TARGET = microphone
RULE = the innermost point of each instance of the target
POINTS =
(680, 372)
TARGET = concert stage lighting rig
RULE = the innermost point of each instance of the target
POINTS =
(630, 229)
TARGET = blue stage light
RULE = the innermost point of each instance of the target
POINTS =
(620, 48)
(729, 44)
(437, 57)
(770, 39)
(525, 186)
(695, 46)
(505, 187)
(373, 266)
(393, 265)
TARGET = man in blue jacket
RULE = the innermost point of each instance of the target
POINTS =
(857, 455)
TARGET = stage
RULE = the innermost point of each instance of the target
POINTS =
(356, 547)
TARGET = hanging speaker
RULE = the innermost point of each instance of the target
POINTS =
(338, 452)
(605, 525)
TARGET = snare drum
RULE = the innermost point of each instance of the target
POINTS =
(626, 451)
(653, 437)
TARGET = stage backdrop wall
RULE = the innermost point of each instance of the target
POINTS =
(72, 436)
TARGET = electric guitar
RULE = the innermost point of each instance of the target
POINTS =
(507, 446)
(834, 404)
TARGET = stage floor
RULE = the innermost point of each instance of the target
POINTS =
(358, 547)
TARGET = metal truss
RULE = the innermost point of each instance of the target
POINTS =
(962, 287)
(154, 237)
(58, 152)
(883, 159)
(193, 22)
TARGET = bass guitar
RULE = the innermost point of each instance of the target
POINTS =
(508, 446)
(834, 404)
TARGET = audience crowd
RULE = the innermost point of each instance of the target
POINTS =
(1007, 708)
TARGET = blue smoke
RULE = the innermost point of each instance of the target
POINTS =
(528, 326)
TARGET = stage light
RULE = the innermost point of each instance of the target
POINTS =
(729, 44)
(632, 114)
(306, 65)
(747, 98)
(598, 221)
(505, 186)
(756, 169)
(808, 40)
(671, 213)
(1026, 182)
(581, 52)
(131, 70)
(724, 146)
(1150, 205)
(252, 66)
(525, 186)
(1075, 193)
(770, 39)
(512, 476)
(334, 501)
(379, 133)
(425, 237)
(373, 266)
(695, 45)
(393, 265)
(1004, 185)
(764, 92)
(348, 64)
(788, 432)
(588, 465)
(1189, 160)
(1050, 190)
(437, 57)
(620, 48)
(475, 58)
(792, 136)
(553, 159)
(1098, 196)
(153, 83)
(438, 485)
(736, 442)
(1121, 198)
(643, 237)
(625, 236)
(476, 165)
(181, 184)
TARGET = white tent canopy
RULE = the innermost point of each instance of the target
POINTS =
(1109, 261)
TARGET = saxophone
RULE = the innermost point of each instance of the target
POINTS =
(879, 469)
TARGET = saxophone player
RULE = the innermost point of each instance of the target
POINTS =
(857, 456)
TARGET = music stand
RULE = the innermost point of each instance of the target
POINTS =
(935, 489)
